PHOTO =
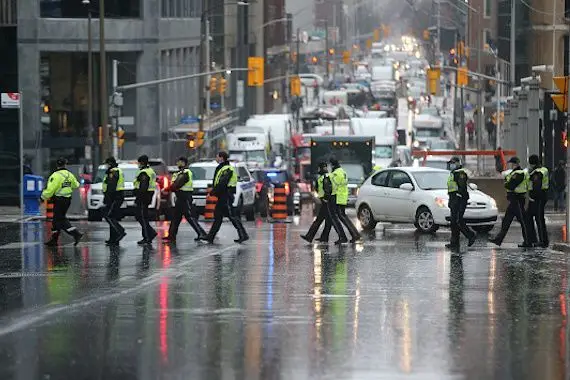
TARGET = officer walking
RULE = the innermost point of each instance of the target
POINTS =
(458, 197)
(538, 196)
(145, 186)
(113, 188)
(182, 186)
(516, 184)
(339, 200)
(60, 186)
(323, 186)
(225, 183)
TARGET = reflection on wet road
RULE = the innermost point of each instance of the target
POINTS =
(397, 306)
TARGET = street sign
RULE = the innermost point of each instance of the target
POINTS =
(189, 119)
(10, 100)
(561, 100)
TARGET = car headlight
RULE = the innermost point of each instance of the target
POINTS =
(96, 192)
(493, 203)
(441, 202)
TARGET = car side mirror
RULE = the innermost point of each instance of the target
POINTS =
(407, 186)
(473, 186)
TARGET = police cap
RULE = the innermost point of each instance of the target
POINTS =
(455, 160)
(183, 159)
(61, 162)
(514, 160)
(323, 165)
(111, 161)
(534, 160)
(143, 159)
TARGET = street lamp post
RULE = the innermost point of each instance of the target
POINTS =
(103, 100)
(90, 153)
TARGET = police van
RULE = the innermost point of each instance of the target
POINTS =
(203, 178)
(95, 196)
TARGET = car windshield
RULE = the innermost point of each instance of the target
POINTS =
(442, 144)
(249, 155)
(430, 111)
(383, 152)
(437, 164)
(276, 177)
(428, 132)
(129, 174)
(354, 172)
(431, 180)
(202, 173)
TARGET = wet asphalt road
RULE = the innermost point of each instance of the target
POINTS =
(397, 306)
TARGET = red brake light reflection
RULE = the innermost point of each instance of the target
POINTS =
(258, 187)
(287, 189)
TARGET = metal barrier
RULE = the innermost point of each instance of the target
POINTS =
(499, 153)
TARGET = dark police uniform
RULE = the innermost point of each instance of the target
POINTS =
(458, 198)
(337, 208)
(225, 183)
(145, 185)
(516, 183)
(182, 186)
(60, 186)
(324, 190)
(113, 188)
(538, 196)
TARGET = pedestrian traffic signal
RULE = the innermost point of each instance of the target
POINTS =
(200, 138)
(255, 74)
(346, 57)
(561, 100)
(213, 84)
(120, 137)
(331, 51)
(426, 35)
(295, 86)
(223, 85)
(191, 140)
(462, 77)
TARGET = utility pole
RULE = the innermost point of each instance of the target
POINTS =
(480, 116)
(461, 110)
(567, 164)
(513, 42)
(327, 48)
(438, 39)
(499, 85)
(114, 119)
(93, 157)
(298, 48)
(103, 98)
(208, 67)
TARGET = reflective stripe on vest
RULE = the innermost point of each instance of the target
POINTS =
(452, 186)
(120, 181)
(65, 190)
(545, 180)
(340, 186)
(523, 186)
(151, 174)
(188, 186)
(233, 180)
(320, 189)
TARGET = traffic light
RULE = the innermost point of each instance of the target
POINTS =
(314, 60)
(223, 85)
(200, 138)
(295, 86)
(45, 108)
(331, 51)
(191, 140)
(561, 100)
(426, 35)
(462, 77)
(346, 57)
(121, 137)
(376, 35)
(294, 57)
(213, 84)
(433, 78)
(255, 74)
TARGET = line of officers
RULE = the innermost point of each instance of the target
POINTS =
(62, 182)
(520, 184)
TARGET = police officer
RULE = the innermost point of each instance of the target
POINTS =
(323, 186)
(60, 186)
(113, 188)
(457, 183)
(538, 196)
(225, 183)
(376, 168)
(145, 186)
(339, 200)
(182, 186)
(516, 184)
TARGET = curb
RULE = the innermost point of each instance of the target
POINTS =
(561, 247)
(70, 217)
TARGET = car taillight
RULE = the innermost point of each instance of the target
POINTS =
(258, 187)
(287, 189)
(165, 182)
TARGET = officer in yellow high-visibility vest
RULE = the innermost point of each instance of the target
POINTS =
(516, 184)
(225, 183)
(145, 186)
(183, 187)
(60, 186)
(339, 200)
(113, 188)
(457, 189)
(538, 196)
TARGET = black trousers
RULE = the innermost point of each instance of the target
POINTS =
(60, 221)
(334, 214)
(457, 206)
(183, 208)
(113, 214)
(515, 209)
(223, 209)
(535, 214)
(322, 216)
(141, 214)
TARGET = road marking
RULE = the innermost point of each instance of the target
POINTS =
(21, 244)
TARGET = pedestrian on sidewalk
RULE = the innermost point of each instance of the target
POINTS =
(113, 190)
(559, 186)
(145, 186)
(60, 186)
(182, 186)
(537, 196)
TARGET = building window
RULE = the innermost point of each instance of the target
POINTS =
(487, 37)
(488, 8)
(75, 9)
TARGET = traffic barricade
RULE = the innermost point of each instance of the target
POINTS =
(278, 208)
(49, 209)
(32, 191)
(211, 201)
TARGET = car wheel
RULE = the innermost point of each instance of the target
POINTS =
(424, 221)
(483, 229)
(94, 216)
(250, 214)
(366, 218)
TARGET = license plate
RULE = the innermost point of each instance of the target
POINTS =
(200, 202)
(128, 204)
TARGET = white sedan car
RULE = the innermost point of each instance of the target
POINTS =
(418, 195)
